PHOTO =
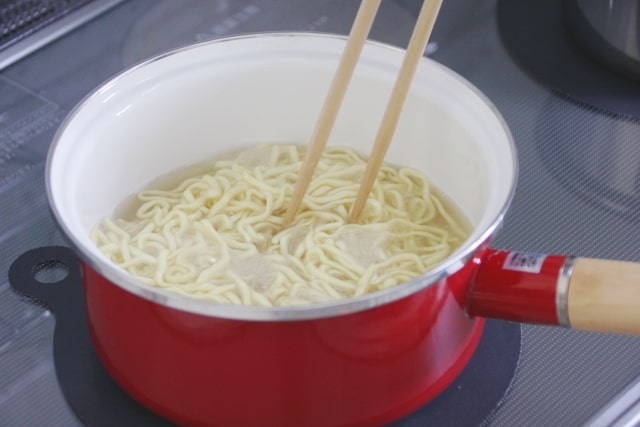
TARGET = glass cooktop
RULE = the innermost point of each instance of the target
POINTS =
(576, 193)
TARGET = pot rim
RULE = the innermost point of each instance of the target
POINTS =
(280, 313)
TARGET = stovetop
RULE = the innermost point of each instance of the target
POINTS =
(577, 191)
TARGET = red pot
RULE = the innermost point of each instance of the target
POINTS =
(363, 361)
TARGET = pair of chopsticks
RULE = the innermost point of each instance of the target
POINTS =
(357, 37)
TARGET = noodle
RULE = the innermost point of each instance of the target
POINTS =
(217, 236)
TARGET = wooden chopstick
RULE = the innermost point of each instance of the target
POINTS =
(357, 37)
(415, 50)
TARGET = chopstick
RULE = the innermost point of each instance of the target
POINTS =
(357, 37)
(415, 50)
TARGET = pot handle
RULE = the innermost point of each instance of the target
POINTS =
(582, 293)
(604, 295)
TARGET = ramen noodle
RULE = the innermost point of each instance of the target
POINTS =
(218, 236)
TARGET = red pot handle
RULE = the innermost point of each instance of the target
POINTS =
(582, 293)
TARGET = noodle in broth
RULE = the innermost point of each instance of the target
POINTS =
(217, 236)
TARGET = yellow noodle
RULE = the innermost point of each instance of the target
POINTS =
(218, 236)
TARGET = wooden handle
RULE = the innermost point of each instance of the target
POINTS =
(604, 296)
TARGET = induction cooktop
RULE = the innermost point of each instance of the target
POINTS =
(576, 194)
